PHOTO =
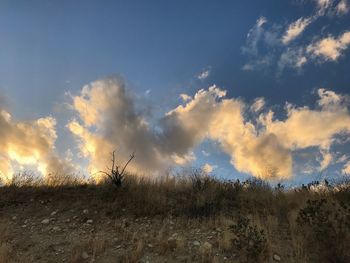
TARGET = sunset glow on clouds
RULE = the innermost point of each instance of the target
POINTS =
(106, 119)
(260, 92)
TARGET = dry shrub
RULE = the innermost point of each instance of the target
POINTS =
(6, 253)
(93, 247)
(325, 227)
(249, 242)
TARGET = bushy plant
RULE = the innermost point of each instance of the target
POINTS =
(325, 225)
(249, 242)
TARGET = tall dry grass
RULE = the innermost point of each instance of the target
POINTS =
(317, 219)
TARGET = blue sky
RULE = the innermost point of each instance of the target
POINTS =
(160, 48)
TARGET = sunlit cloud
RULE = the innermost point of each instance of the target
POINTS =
(264, 150)
(342, 7)
(268, 45)
(29, 144)
(346, 168)
(208, 168)
(295, 29)
(329, 48)
(258, 104)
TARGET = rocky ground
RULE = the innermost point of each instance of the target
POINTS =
(200, 219)
(42, 231)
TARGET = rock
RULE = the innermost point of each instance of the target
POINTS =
(45, 221)
(196, 243)
(90, 221)
(85, 211)
(56, 228)
(53, 213)
(172, 242)
(14, 217)
(85, 255)
(276, 258)
(207, 246)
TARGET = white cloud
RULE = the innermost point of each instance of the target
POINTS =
(263, 150)
(329, 48)
(204, 74)
(267, 46)
(295, 29)
(29, 144)
(254, 36)
(185, 97)
(327, 159)
(346, 168)
(258, 104)
(208, 168)
(323, 5)
(342, 7)
(205, 153)
(292, 58)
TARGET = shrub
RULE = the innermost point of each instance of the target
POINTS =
(325, 227)
(249, 242)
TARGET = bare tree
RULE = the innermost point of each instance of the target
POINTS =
(114, 174)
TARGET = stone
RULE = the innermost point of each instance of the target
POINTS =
(196, 243)
(172, 242)
(45, 221)
(207, 246)
(56, 228)
(85, 211)
(14, 217)
(85, 255)
(90, 221)
(53, 213)
(276, 258)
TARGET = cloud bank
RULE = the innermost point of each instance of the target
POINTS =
(107, 119)
(261, 145)
(29, 144)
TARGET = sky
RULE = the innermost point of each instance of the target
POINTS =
(237, 88)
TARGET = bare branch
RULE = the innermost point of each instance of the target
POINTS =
(131, 157)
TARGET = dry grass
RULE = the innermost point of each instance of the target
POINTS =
(197, 200)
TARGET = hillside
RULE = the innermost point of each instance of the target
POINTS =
(195, 219)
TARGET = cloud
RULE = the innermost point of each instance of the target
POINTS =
(208, 168)
(323, 5)
(327, 159)
(205, 153)
(329, 48)
(204, 74)
(342, 7)
(269, 46)
(292, 58)
(108, 120)
(295, 29)
(346, 168)
(29, 144)
(254, 36)
(258, 104)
